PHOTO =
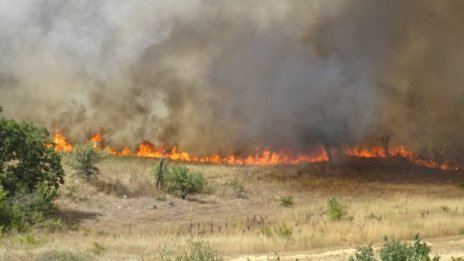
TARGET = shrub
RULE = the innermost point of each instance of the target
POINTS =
(84, 160)
(286, 201)
(364, 254)
(30, 174)
(180, 181)
(394, 250)
(334, 209)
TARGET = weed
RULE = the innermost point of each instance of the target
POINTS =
(334, 209)
(266, 231)
(238, 188)
(284, 231)
(286, 201)
(31, 239)
(192, 251)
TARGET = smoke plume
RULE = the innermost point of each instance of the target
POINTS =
(219, 76)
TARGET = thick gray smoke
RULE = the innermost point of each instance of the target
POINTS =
(219, 76)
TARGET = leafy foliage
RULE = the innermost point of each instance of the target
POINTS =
(286, 201)
(84, 160)
(27, 159)
(180, 181)
(395, 250)
(30, 174)
(364, 254)
(334, 209)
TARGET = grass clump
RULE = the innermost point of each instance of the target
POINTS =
(335, 209)
(65, 255)
(192, 251)
(395, 250)
(284, 231)
(238, 188)
(286, 201)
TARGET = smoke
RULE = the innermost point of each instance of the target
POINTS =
(220, 76)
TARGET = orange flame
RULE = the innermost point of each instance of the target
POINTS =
(260, 157)
(61, 142)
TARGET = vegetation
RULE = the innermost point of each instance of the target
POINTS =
(192, 251)
(286, 201)
(30, 174)
(84, 160)
(334, 209)
(395, 250)
(180, 181)
(238, 188)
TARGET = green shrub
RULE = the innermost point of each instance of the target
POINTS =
(364, 254)
(30, 174)
(395, 250)
(84, 160)
(334, 209)
(180, 181)
(286, 201)
(266, 231)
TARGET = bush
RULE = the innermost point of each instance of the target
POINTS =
(30, 174)
(394, 250)
(180, 181)
(364, 254)
(334, 209)
(84, 160)
(286, 201)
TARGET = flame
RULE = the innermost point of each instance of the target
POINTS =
(260, 157)
(97, 140)
(61, 142)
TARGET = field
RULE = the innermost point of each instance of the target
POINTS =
(260, 213)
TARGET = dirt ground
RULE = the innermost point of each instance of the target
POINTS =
(121, 215)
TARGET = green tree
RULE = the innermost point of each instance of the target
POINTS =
(27, 158)
(30, 174)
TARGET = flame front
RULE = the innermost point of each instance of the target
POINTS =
(260, 157)
(61, 142)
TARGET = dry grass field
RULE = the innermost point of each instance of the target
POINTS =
(121, 216)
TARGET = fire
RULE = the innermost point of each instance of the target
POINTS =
(260, 157)
(61, 143)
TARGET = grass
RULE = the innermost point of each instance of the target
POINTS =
(132, 228)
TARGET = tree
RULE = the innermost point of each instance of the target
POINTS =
(30, 174)
(27, 158)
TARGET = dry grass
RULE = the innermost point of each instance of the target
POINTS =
(120, 213)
